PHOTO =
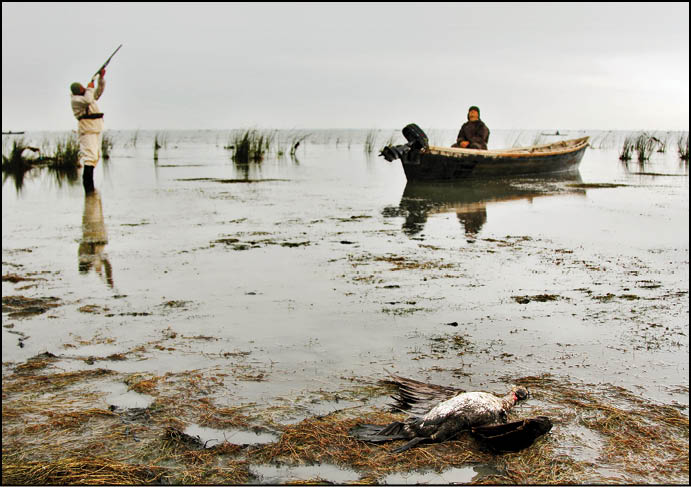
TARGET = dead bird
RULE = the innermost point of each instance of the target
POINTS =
(455, 411)
(512, 437)
(418, 397)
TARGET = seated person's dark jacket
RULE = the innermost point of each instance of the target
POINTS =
(476, 133)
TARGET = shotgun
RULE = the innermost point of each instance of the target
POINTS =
(106, 63)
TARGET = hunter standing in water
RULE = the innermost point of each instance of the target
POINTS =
(474, 134)
(90, 120)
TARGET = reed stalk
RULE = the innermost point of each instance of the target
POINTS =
(156, 147)
(135, 137)
(683, 147)
(370, 141)
(106, 146)
(295, 142)
(662, 144)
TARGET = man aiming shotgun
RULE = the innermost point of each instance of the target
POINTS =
(90, 119)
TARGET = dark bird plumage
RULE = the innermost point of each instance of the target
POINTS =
(439, 413)
(512, 437)
(418, 397)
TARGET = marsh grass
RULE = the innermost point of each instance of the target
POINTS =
(106, 146)
(15, 160)
(295, 143)
(289, 143)
(627, 148)
(134, 138)
(56, 431)
(370, 141)
(603, 141)
(77, 470)
(160, 140)
(644, 146)
(250, 145)
(683, 147)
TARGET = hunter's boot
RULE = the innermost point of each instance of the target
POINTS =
(88, 179)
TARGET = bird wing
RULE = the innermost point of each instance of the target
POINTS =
(418, 397)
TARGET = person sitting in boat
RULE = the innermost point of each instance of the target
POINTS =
(474, 134)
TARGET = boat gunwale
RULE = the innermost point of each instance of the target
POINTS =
(530, 151)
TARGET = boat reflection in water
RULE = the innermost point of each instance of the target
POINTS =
(94, 240)
(469, 198)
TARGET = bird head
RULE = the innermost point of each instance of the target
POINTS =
(520, 393)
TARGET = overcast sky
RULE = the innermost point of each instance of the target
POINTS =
(292, 65)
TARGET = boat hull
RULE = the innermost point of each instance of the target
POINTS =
(439, 164)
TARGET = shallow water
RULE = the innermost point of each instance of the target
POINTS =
(306, 272)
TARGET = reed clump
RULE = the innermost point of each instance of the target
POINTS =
(627, 149)
(160, 142)
(106, 146)
(15, 159)
(157, 146)
(63, 155)
(644, 146)
(683, 147)
(134, 138)
(370, 141)
(250, 145)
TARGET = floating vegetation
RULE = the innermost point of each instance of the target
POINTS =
(18, 306)
(540, 298)
(56, 431)
(76, 470)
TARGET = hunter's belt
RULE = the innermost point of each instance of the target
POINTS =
(90, 116)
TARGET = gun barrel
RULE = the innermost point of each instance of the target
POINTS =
(106, 63)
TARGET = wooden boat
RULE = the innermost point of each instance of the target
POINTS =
(423, 162)
(438, 163)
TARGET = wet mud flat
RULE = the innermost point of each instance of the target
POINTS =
(216, 332)
(57, 430)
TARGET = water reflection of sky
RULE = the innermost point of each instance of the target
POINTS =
(309, 290)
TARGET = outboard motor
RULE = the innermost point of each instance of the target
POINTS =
(417, 140)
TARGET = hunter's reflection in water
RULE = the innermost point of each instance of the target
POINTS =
(94, 239)
(469, 198)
